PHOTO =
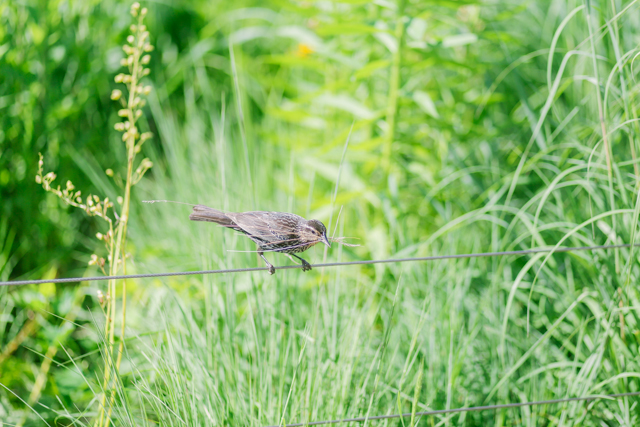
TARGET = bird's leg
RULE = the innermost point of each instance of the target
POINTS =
(305, 265)
(272, 269)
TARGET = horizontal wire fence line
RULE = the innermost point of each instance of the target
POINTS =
(457, 410)
(329, 264)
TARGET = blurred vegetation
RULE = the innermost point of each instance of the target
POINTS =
(475, 126)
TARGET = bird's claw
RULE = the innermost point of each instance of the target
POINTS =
(272, 269)
(305, 266)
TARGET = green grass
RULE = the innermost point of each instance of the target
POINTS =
(497, 144)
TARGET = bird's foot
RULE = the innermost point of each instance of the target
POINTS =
(305, 265)
(272, 269)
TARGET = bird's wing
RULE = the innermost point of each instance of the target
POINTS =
(266, 226)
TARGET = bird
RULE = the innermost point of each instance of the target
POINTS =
(272, 231)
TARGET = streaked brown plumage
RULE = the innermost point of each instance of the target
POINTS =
(271, 231)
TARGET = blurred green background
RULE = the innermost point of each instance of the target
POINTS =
(475, 126)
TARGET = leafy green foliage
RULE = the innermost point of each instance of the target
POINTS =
(506, 126)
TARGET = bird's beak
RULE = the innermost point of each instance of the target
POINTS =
(325, 240)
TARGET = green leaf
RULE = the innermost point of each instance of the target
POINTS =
(425, 103)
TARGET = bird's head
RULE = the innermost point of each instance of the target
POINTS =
(316, 231)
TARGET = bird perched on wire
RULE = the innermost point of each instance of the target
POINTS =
(271, 231)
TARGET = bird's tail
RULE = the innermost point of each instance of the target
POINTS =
(205, 213)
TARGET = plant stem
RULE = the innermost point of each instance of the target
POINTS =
(121, 236)
(110, 314)
(27, 329)
(605, 139)
(394, 85)
(416, 394)
(121, 345)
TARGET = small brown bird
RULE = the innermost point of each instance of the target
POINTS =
(271, 231)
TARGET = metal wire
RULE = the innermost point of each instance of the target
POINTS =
(329, 264)
(456, 410)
